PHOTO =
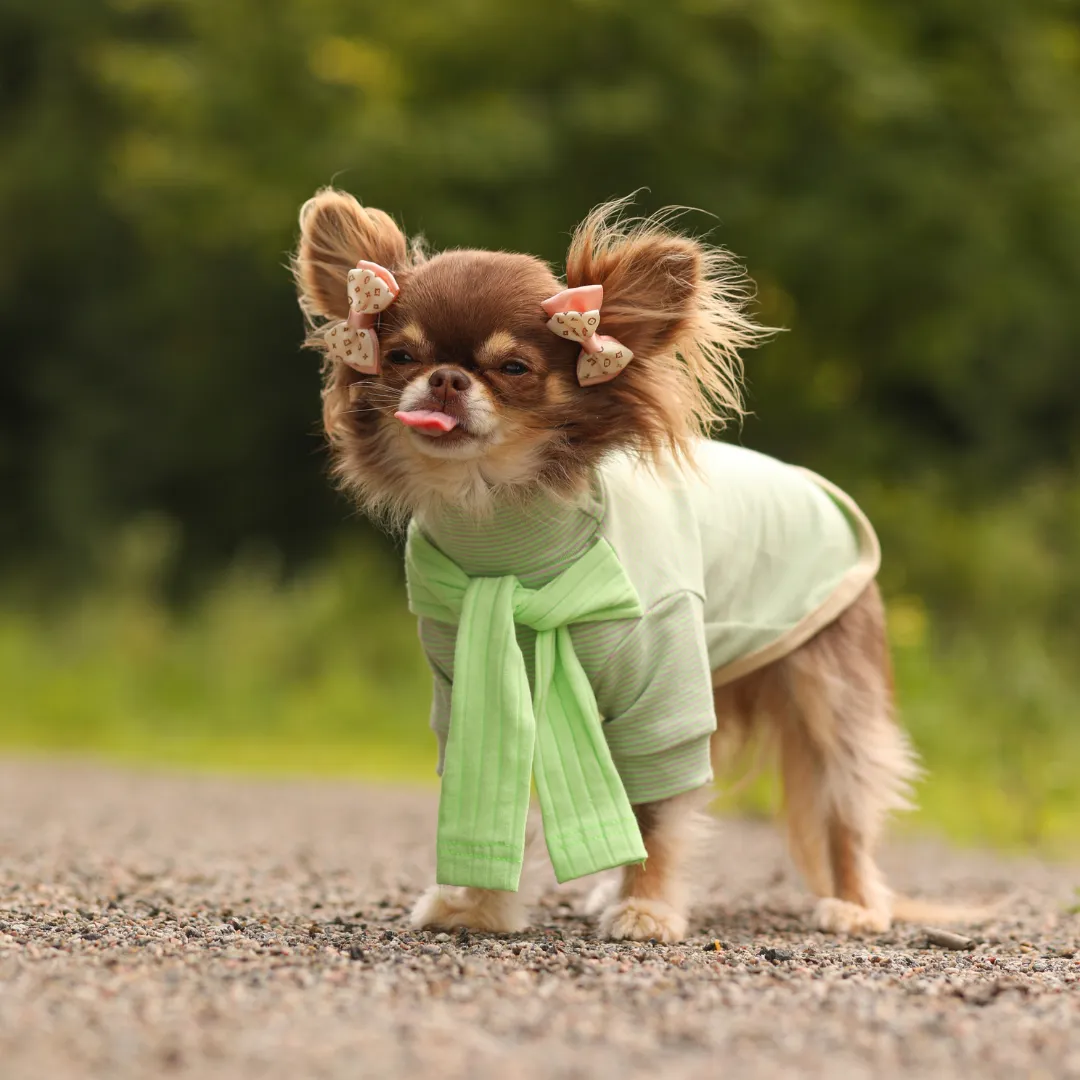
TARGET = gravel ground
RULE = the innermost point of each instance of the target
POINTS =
(163, 926)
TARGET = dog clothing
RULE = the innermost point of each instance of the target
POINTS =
(735, 558)
(506, 729)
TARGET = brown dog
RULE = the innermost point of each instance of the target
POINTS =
(478, 407)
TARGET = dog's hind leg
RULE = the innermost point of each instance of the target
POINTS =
(845, 764)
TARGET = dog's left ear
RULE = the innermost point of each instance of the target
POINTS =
(679, 305)
(652, 281)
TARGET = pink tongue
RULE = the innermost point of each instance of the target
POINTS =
(430, 423)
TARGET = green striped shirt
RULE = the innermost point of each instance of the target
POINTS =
(737, 561)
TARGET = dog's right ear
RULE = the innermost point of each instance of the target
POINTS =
(336, 232)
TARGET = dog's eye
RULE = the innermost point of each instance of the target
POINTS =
(400, 356)
(514, 367)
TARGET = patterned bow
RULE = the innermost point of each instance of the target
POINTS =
(371, 290)
(575, 314)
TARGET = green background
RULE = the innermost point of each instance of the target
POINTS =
(180, 584)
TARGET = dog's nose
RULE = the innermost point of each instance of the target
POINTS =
(449, 380)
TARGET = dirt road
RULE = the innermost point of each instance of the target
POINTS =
(162, 926)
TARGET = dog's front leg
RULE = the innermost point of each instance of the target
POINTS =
(449, 907)
(652, 899)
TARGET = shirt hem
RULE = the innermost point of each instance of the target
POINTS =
(663, 774)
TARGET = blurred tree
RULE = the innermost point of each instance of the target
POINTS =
(902, 180)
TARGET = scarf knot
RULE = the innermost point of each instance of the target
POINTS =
(502, 735)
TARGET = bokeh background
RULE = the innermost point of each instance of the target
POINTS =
(180, 585)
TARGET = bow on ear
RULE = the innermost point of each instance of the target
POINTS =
(371, 289)
(575, 314)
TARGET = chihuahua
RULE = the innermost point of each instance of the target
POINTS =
(516, 420)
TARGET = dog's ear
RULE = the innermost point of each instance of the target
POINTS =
(652, 280)
(336, 232)
(680, 306)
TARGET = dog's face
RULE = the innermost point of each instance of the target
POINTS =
(475, 396)
(470, 372)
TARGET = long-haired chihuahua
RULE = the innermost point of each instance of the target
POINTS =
(516, 421)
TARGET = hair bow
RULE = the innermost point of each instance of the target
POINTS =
(575, 314)
(371, 289)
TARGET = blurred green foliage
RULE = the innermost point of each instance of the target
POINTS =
(900, 178)
(320, 673)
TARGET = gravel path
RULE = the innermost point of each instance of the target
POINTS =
(162, 926)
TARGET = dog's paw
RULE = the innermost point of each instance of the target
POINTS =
(843, 917)
(475, 909)
(636, 919)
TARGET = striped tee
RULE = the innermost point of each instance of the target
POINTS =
(737, 560)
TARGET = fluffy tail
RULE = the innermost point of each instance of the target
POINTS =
(912, 910)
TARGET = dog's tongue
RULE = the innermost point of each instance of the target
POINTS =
(427, 421)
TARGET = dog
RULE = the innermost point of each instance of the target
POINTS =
(467, 392)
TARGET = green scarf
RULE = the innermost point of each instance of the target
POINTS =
(499, 737)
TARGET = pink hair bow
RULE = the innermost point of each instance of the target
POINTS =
(371, 289)
(575, 314)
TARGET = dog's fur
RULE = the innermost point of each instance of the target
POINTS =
(679, 306)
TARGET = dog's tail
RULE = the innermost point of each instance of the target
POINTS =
(911, 909)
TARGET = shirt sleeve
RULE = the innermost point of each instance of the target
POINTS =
(656, 695)
(438, 640)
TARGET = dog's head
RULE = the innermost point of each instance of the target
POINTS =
(475, 396)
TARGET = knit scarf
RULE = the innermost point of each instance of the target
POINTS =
(502, 736)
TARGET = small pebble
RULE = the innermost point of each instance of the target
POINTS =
(946, 939)
(776, 955)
